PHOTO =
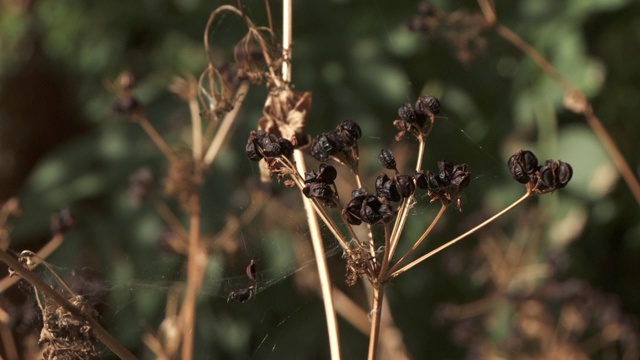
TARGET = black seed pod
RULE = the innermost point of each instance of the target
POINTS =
(320, 191)
(387, 188)
(387, 160)
(547, 175)
(323, 147)
(564, 174)
(406, 185)
(350, 132)
(406, 113)
(421, 180)
(522, 166)
(428, 105)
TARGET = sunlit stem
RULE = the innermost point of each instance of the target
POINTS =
(321, 263)
(422, 238)
(196, 125)
(420, 153)
(376, 312)
(385, 257)
(401, 220)
(225, 125)
(452, 242)
(333, 227)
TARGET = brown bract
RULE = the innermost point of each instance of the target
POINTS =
(284, 115)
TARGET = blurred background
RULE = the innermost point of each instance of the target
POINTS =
(555, 278)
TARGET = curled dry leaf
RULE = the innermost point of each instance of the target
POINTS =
(284, 115)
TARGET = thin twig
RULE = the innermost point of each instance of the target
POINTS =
(42, 254)
(422, 238)
(156, 137)
(225, 125)
(582, 107)
(100, 333)
(452, 242)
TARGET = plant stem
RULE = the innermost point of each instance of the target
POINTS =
(196, 126)
(582, 106)
(194, 278)
(225, 125)
(422, 238)
(378, 295)
(100, 333)
(321, 263)
(42, 254)
(156, 137)
(481, 225)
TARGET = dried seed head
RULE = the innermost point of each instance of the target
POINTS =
(387, 160)
(428, 105)
(406, 185)
(522, 165)
(564, 174)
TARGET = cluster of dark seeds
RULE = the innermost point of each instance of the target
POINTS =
(340, 144)
(367, 208)
(264, 145)
(320, 185)
(553, 175)
(446, 184)
(413, 118)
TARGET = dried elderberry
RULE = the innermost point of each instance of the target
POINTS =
(553, 175)
(447, 184)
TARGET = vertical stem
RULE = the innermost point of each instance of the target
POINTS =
(314, 227)
(193, 279)
(196, 126)
(378, 295)
(287, 30)
(321, 263)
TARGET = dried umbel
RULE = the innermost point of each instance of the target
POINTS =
(445, 185)
(413, 119)
(65, 335)
(367, 208)
(264, 145)
(320, 185)
(340, 144)
(540, 179)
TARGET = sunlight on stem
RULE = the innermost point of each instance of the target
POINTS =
(422, 238)
(491, 219)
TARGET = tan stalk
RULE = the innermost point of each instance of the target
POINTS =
(378, 295)
(42, 254)
(452, 242)
(100, 333)
(225, 125)
(580, 103)
(314, 226)
(155, 137)
(420, 240)
(196, 125)
(195, 266)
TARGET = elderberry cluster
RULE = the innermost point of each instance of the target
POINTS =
(341, 143)
(264, 145)
(320, 185)
(413, 118)
(553, 175)
(446, 184)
